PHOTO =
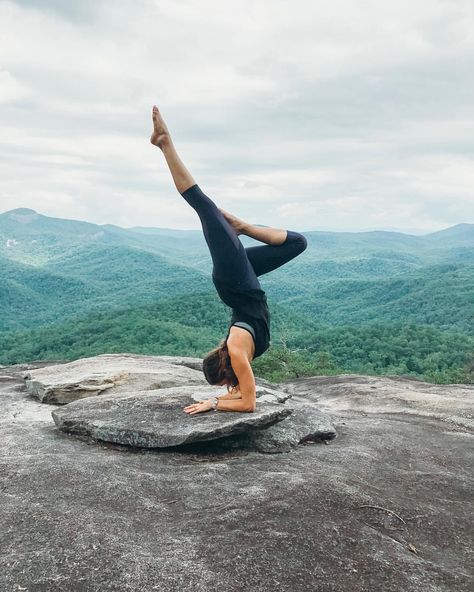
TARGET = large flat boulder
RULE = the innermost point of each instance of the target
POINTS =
(128, 416)
(194, 363)
(451, 403)
(112, 374)
(155, 419)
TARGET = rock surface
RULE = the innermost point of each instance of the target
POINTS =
(130, 411)
(112, 374)
(64, 382)
(385, 506)
(451, 403)
(156, 419)
(306, 423)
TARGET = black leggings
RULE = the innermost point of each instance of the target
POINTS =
(233, 263)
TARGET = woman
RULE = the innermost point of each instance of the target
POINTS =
(234, 275)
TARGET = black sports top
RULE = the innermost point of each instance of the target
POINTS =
(249, 306)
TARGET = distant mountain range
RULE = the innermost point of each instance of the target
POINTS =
(29, 237)
(54, 270)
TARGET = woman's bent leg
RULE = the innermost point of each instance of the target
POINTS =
(266, 258)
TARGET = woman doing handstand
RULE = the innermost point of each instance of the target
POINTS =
(235, 276)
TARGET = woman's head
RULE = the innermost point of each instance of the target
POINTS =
(217, 367)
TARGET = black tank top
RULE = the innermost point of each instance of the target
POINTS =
(249, 306)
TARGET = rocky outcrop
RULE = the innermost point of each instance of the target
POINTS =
(385, 506)
(61, 383)
(111, 374)
(138, 401)
(307, 423)
(156, 419)
(451, 403)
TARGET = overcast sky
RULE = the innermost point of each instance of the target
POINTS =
(335, 114)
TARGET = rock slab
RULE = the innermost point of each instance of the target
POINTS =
(157, 420)
(167, 377)
(111, 373)
(450, 403)
(305, 424)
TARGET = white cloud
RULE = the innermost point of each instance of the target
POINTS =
(10, 88)
(341, 114)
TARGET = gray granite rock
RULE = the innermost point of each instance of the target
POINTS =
(134, 418)
(194, 363)
(155, 419)
(386, 394)
(60, 384)
(112, 373)
(87, 518)
(306, 423)
(270, 393)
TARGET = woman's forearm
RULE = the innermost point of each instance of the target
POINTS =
(235, 405)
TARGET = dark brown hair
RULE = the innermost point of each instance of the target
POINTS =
(217, 367)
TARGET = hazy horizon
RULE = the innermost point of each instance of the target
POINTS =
(416, 232)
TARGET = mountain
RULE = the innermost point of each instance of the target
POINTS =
(33, 296)
(29, 237)
(456, 234)
(70, 287)
(441, 296)
(91, 278)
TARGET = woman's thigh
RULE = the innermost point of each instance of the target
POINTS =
(229, 257)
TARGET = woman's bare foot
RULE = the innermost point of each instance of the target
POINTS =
(236, 223)
(160, 136)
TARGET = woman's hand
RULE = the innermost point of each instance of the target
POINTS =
(199, 407)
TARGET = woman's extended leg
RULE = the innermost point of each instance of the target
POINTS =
(161, 137)
(229, 257)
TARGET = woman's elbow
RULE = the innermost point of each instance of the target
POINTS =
(249, 408)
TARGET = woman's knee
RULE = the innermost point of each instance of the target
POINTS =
(304, 242)
(299, 241)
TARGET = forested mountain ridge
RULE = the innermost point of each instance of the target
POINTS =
(440, 295)
(346, 293)
(30, 237)
(91, 278)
